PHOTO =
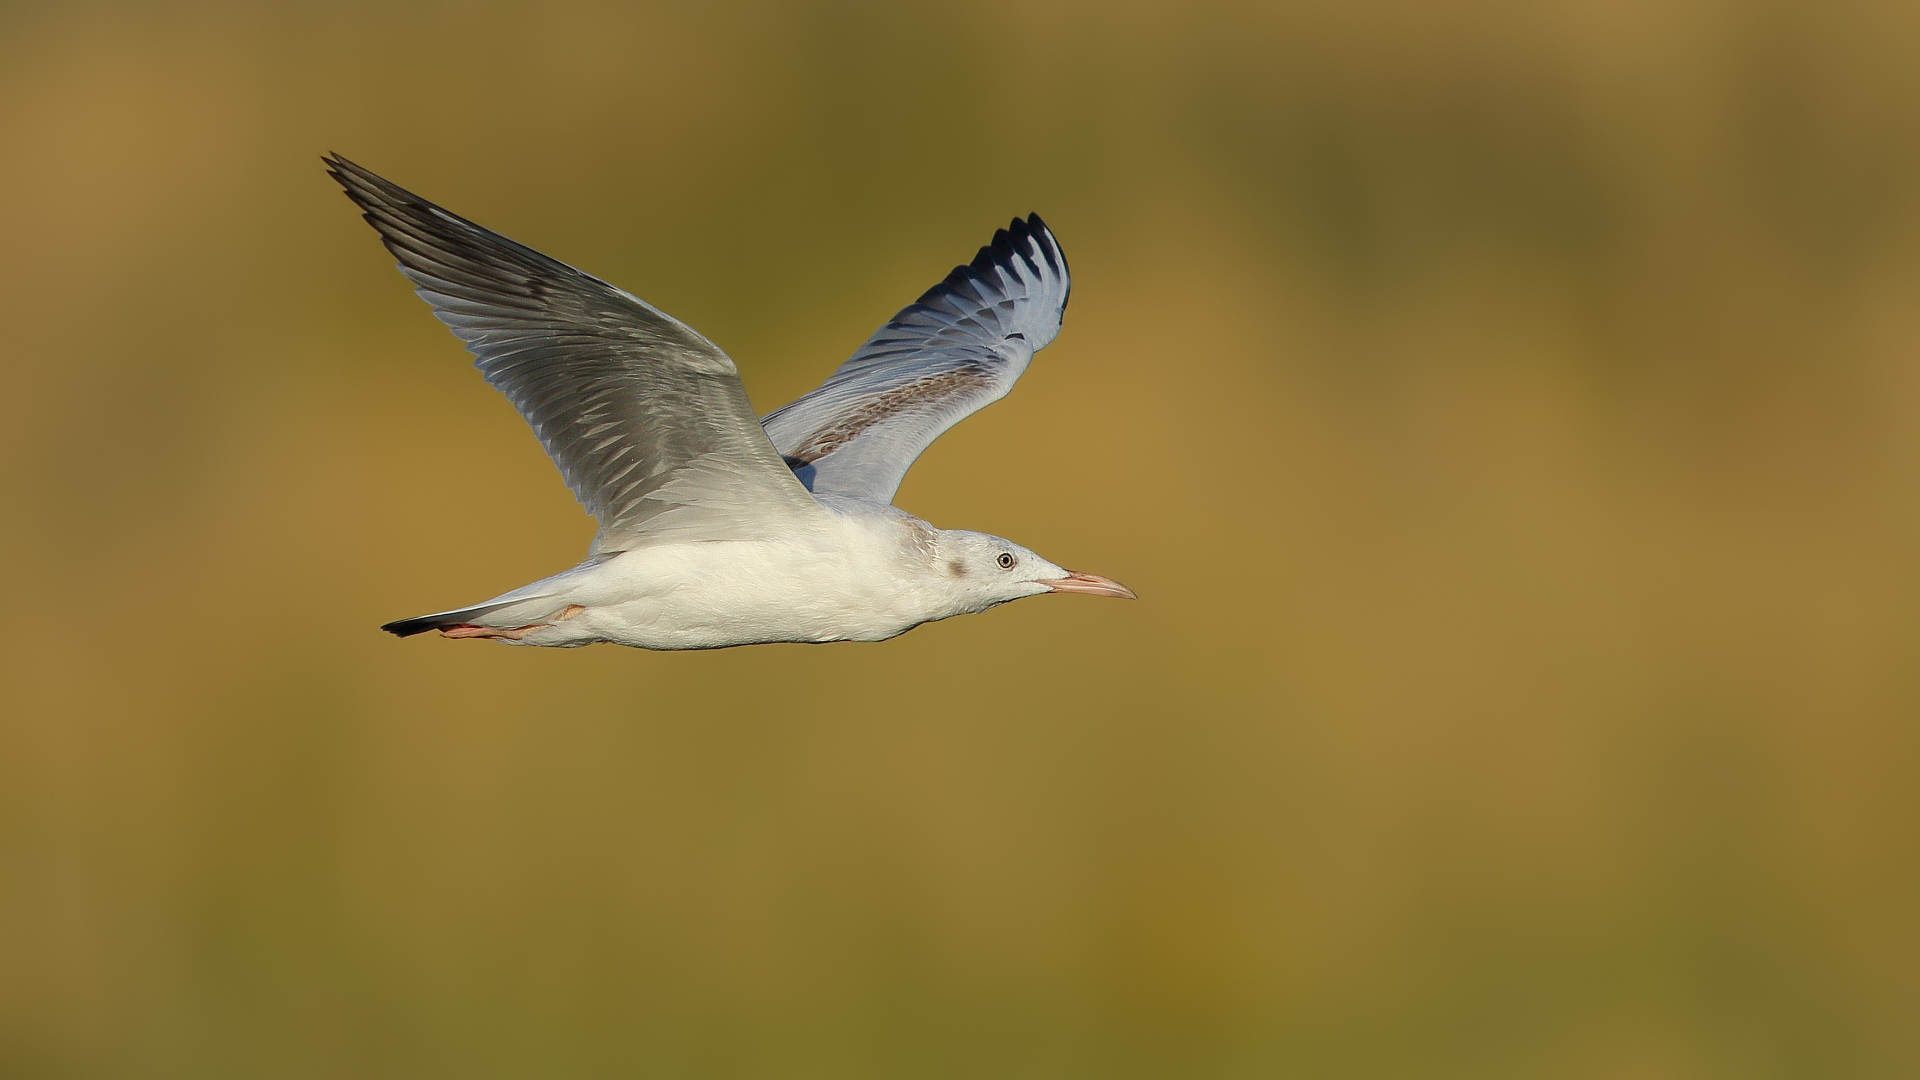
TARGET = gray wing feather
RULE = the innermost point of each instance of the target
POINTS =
(955, 350)
(646, 419)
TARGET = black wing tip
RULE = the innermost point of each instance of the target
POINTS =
(375, 194)
(1022, 240)
(420, 233)
(419, 625)
(1037, 233)
(372, 193)
(1050, 250)
(1030, 230)
(1025, 247)
(344, 172)
(355, 178)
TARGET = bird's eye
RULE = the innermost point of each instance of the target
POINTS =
(1006, 560)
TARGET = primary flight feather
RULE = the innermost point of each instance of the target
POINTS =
(718, 528)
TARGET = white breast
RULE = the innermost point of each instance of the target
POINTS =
(861, 577)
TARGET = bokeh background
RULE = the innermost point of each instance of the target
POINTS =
(1508, 412)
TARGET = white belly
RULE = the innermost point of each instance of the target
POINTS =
(858, 585)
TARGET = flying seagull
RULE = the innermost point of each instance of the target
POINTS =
(718, 528)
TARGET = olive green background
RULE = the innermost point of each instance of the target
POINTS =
(1508, 413)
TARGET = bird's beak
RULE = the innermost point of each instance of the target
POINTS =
(1091, 584)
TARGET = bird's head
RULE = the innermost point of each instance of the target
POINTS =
(987, 570)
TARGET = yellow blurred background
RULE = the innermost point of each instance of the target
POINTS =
(1508, 413)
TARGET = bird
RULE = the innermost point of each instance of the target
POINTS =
(717, 527)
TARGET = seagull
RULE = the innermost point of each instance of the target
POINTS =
(717, 527)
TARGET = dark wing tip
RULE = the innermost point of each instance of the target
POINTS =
(433, 242)
(362, 184)
(1037, 231)
(1025, 247)
(1051, 251)
(420, 625)
(386, 203)
(1042, 238)
(377, 197)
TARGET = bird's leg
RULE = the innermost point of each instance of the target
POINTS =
(486, 632)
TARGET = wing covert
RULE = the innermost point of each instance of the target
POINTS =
(960, 347)
(646, 419)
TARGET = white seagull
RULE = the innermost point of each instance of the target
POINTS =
(718, 528)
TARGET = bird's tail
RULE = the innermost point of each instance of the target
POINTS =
(445, 620)
(533, 603)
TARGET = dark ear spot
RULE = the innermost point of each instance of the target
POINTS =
(957, 568)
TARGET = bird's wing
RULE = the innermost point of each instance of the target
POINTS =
(957, 348)
(646, 419)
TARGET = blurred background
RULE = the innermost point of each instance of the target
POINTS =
(1508, 413)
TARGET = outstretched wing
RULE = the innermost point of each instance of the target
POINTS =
(646, 419)
(956, 349)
